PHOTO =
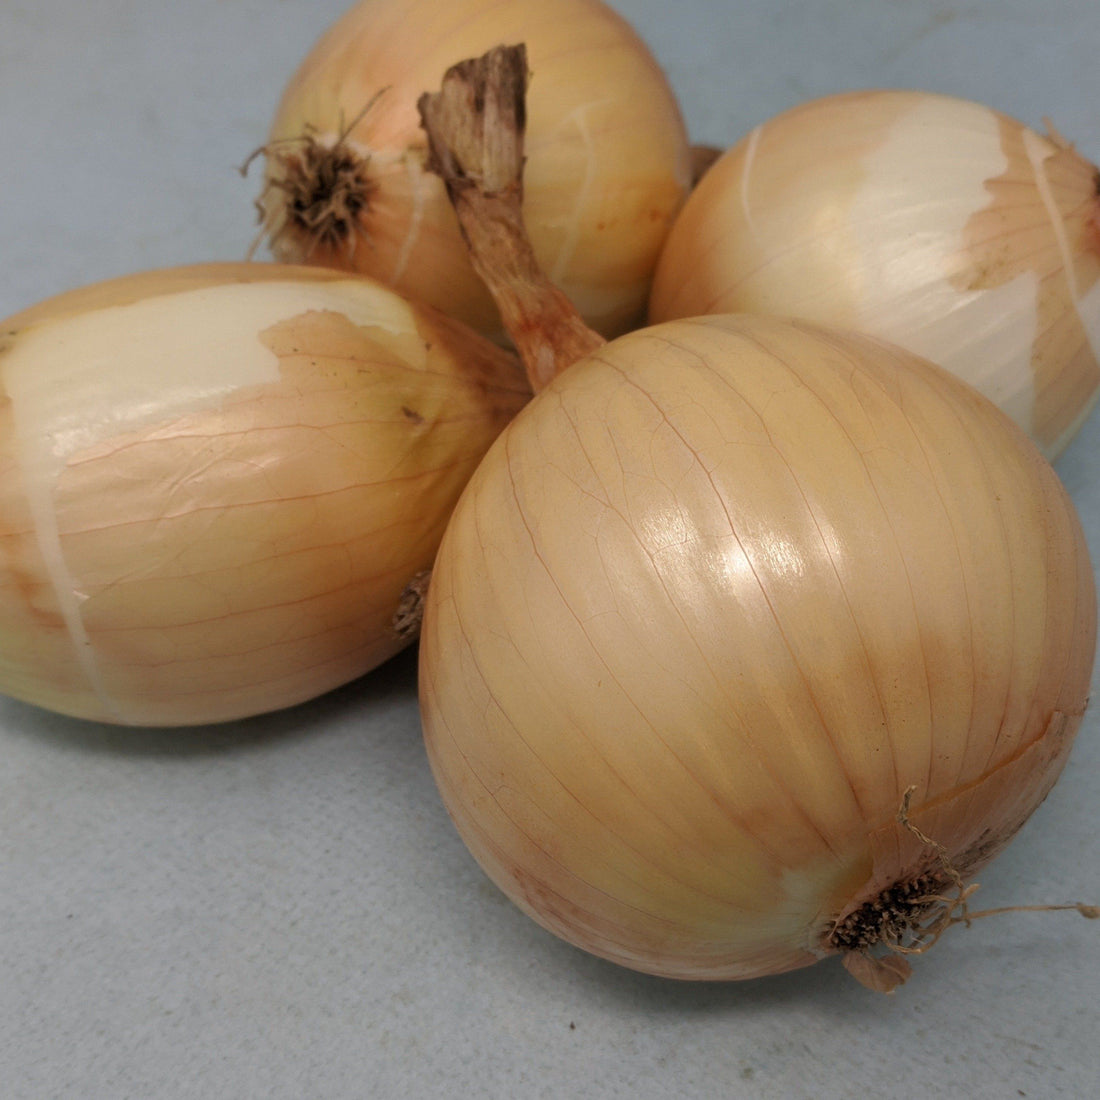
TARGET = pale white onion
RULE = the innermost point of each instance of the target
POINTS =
(939, 224)
(217, 482)
(608, 163)
(711, 605)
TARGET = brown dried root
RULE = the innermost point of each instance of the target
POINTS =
(317, 192)
(410, 608)
(909, 917)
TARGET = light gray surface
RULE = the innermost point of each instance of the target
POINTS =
(280, 908)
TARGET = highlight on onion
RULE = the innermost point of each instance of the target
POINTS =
(933, 222)
(750, 641)
(220, 486)
(609, 164)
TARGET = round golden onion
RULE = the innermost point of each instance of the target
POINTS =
(721, 601)
(217, 483)
(933, 222)
(608, 159)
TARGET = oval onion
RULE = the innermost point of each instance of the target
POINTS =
(721, 600)
(216, 482)
(933, 222)
(608, 158)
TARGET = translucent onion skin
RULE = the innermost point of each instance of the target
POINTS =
(216, 482)
(712, 603)
(608, 159)
(933, 222)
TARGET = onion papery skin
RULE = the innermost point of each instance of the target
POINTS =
(608, 162)
(217, 481)
(711, 604)
(933, 222)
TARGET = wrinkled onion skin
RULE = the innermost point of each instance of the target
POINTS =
(607, 167)
(200, 556)
(711, 604)
(935, 223)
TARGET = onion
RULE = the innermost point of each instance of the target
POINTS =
(217, 483)
(749, 643)
(933, 222)
(609, 164)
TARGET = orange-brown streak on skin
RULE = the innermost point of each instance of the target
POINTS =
(674, 952)
(868, 662)
(1061, 534)
(360, 587)
(996, 746)
(204, 692)
(725, 379)
(519, 875)
(35, 626)
(1084, 604)
(1061, 392)
(725, 808)
(153, 441)
(608, 762)
(1006, 678)
(398, 482)
(17, 540)
(678, 953)
(439, 728)
(546, 857)
(809, 509)
(1018, 731)
(256, 561)
(200, 689)
(762, 757)
(898, 397)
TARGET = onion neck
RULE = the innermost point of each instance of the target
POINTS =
(475, 126)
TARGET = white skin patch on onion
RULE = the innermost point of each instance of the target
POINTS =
(219, 481)
(935, 223)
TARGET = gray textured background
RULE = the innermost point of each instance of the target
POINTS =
(280, 908)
